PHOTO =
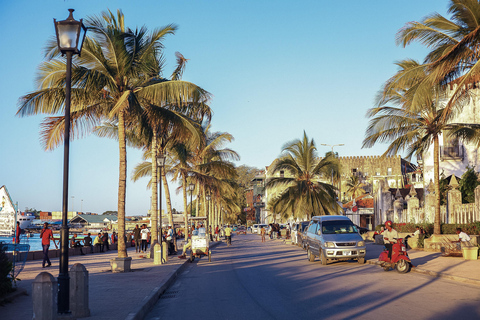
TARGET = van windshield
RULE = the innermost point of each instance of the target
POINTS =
(339, 226)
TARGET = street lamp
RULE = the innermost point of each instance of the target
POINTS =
(160, 164)
(191, 187)
(70, 36)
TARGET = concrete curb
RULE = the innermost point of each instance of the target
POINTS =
(435, 274)
(149, 301)
(12, 296)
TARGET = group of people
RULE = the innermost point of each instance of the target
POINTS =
(142, 235)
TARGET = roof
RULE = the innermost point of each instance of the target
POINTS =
(363, 201)
(404, 192)
(328, 218)
(90, 218)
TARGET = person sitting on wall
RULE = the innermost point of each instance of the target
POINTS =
(75, 243)
(98, 242)
(87, 242)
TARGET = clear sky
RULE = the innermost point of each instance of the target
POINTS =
(275, 69)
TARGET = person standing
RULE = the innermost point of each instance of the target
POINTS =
(18, 232)
(144, 234)
(170, 240)
(137, 238)
(105, 241)
(263, 232)
(46, 234)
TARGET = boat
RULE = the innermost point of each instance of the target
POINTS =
(9, 213)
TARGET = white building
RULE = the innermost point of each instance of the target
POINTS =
(455, 155)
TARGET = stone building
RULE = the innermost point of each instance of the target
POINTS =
(394, 171)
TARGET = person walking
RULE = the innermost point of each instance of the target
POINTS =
(228, 235)
(137, 238)
(263, 232)
(144, 234)
(46, 234)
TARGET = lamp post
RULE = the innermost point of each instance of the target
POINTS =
(160, 164)
(70, 36)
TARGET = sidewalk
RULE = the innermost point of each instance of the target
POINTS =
(111, 295)
(434, 264)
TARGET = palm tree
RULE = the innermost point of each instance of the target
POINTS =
(454, 44)
(300, 191)
(118, 73)
(354, 186)
(413, 125)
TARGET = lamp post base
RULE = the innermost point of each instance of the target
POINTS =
(121, 264)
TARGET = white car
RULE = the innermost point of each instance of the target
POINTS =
(254, 228)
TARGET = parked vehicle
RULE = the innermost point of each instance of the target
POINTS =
(400, 260)
(254, 229)
(297, 230)
(334, 238)
(241, 230)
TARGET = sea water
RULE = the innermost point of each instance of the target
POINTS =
(34, 241)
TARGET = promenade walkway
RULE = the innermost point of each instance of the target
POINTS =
(112, 295)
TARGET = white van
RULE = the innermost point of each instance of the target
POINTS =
(334, 238)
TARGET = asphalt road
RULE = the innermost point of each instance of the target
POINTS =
(271, 280)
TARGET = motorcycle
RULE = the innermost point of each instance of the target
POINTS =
(400, 260)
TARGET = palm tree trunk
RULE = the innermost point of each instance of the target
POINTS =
(185, 204)
(169, 203)
(154, 208)
(197, 202)
(436, 178)
(122, 184)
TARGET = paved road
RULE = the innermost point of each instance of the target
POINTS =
(254, 280)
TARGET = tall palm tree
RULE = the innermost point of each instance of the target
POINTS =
(118, 73)
(454, 44)
(412, 125)
(354, 186)
(301, 191)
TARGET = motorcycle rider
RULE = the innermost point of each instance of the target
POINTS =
(389, 236)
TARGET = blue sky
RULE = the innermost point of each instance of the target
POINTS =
(275, 69)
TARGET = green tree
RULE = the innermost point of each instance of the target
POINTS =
(468, 183)
(354, 186)
(300, 190)
(117, 75)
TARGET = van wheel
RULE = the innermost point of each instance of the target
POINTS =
(310, 256)
(361, 260)
(323, 259)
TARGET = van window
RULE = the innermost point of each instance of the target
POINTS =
(313, 227)
(338, 226)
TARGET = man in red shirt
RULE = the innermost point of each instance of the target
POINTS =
(46, 235)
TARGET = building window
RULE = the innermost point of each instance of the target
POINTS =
(282, 173)
(378, 172)
(389, 171)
